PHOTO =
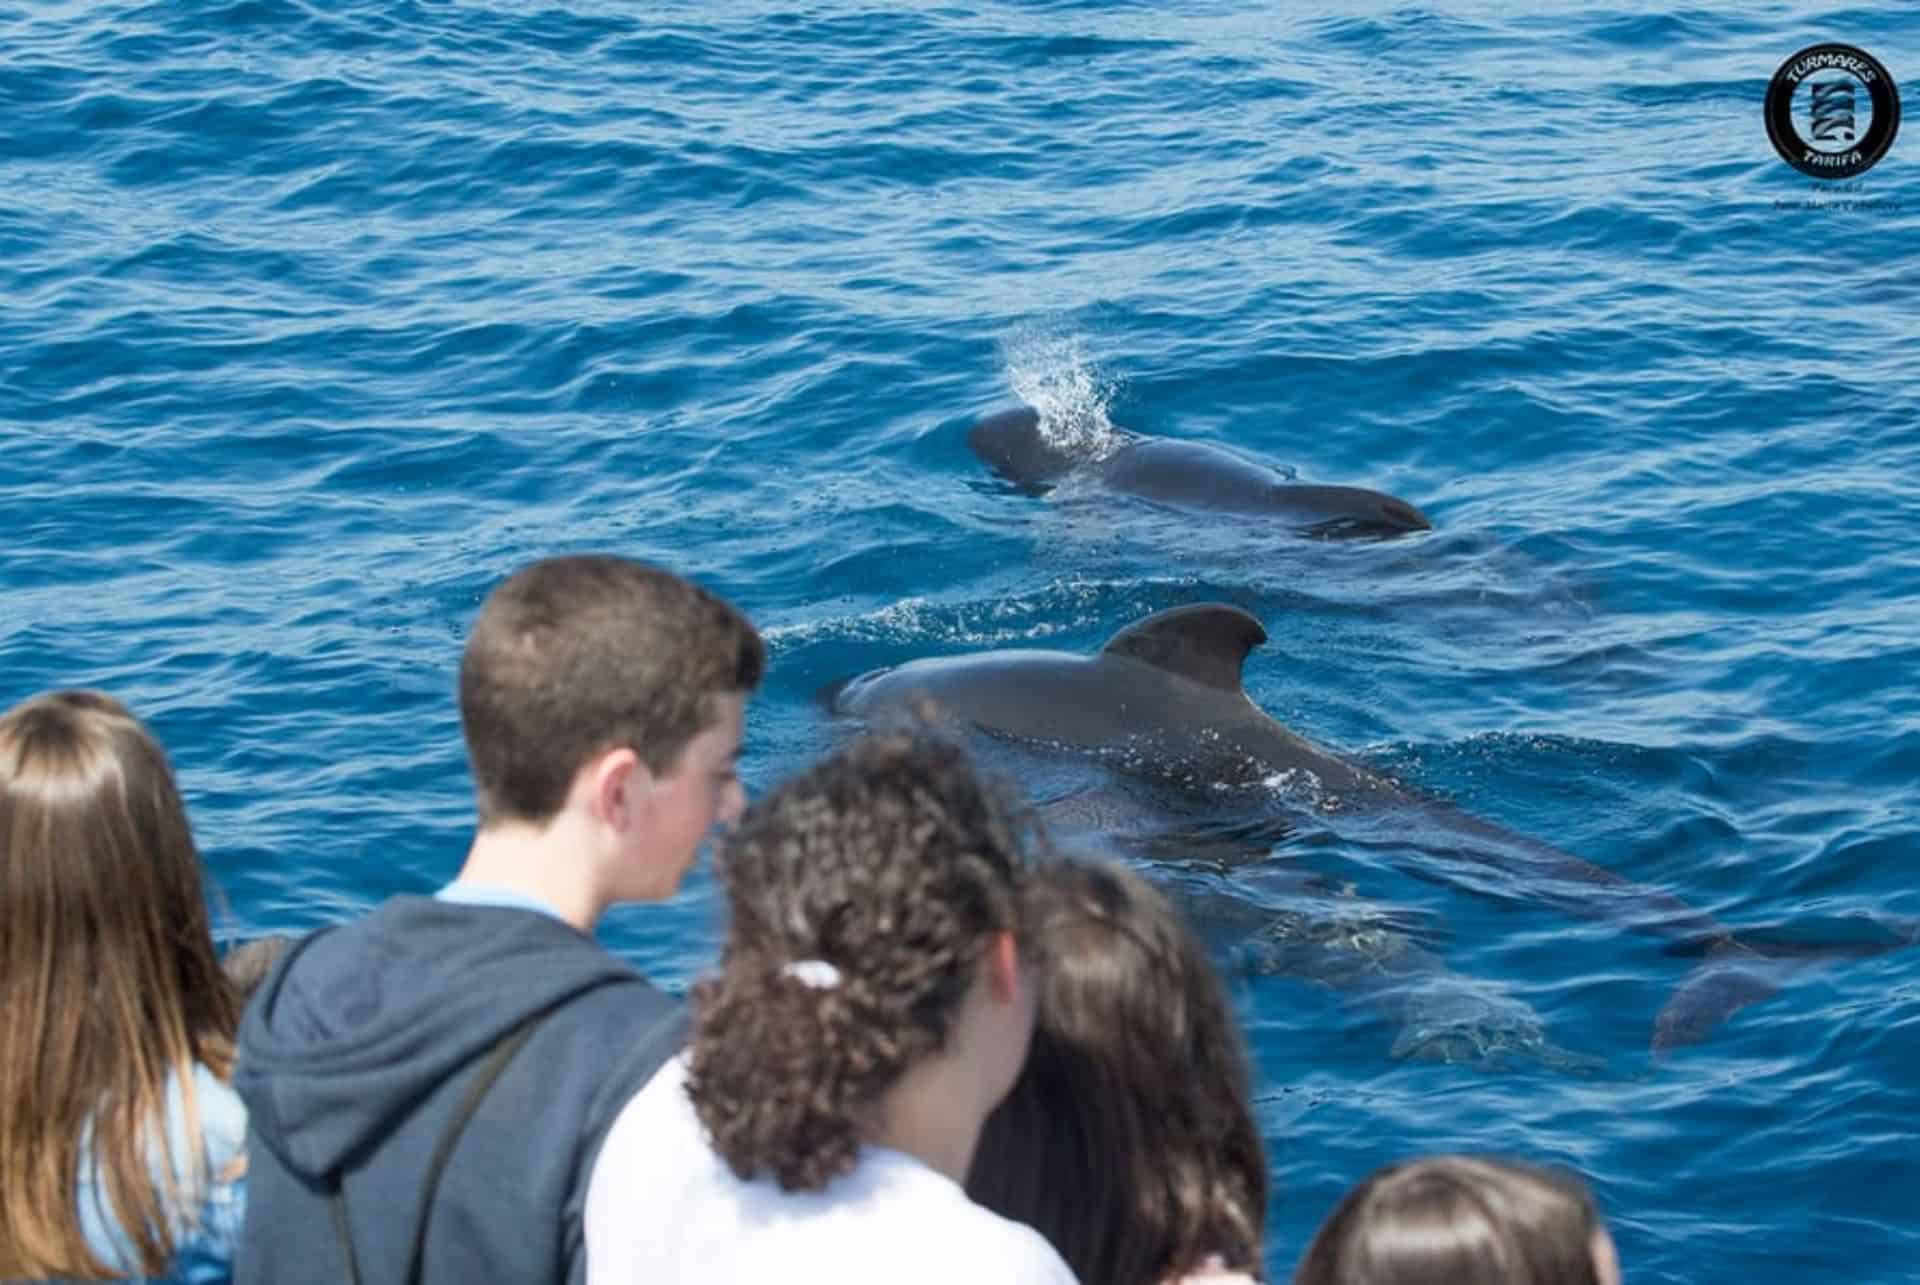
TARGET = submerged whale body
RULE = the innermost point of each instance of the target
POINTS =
(1195, 475)
(1313, 929)
(1163, 700)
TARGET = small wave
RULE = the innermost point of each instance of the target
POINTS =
(996, 622)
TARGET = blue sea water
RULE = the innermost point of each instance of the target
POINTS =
(317, 319)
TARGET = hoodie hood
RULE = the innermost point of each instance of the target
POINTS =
(359, 1024)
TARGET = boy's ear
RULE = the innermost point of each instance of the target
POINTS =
(618, 785)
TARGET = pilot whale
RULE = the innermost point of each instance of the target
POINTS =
(1163, 700)
(1188, 475)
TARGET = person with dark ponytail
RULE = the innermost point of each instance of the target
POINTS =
(1463, 1220)
(874, 1002)
(1129, 1138)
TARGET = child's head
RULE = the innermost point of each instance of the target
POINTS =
(877, 923)
(101, 874)
(1129, 1138)
(112, 984)
(575, 656)
(1463, 1220)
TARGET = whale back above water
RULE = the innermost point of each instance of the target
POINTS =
(1192, 475)
(1163, 700)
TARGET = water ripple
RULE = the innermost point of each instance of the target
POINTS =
(320, 318)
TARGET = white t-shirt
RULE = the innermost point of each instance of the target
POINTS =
(663, 1209)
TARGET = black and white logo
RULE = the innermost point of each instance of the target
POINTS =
(1832, 111)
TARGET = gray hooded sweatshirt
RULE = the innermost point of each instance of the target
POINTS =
(357, 1051)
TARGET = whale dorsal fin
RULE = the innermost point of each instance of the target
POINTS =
(1205, 643)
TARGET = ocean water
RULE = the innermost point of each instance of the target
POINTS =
(317, 319)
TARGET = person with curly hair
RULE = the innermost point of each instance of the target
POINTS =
(874, 1002)
(121, 1142)
(1463, 1220)
(1129, 1138)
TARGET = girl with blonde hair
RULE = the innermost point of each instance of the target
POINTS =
(120, 1141)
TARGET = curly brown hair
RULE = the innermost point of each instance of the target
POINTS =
(891, 860)
(575, 655)
(1129, 1139)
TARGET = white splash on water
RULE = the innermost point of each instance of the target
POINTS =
(1048, 368)
(1300, 786)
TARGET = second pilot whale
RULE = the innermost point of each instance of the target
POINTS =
(1183, 474)
(1163, 700)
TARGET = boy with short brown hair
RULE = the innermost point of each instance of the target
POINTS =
(429, 1086)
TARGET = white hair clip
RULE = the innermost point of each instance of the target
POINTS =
(817, 973)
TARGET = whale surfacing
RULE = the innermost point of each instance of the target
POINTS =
(1163, 700)
(1188, 475)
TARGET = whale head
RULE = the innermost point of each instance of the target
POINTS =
(1011, 443)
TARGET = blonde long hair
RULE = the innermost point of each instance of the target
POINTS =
(110, 986)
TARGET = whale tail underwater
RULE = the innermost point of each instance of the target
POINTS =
(1016, 445)
(1163, 701)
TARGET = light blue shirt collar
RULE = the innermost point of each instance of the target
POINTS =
(489, 894)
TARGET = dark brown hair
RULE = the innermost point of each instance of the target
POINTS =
(893, 862)
(1458, 1220)
(573, 656)
(1129, 1139)
(110, 987)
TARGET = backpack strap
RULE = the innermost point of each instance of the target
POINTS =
(496, 1062)
(337, 1201)
(497, 1058)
